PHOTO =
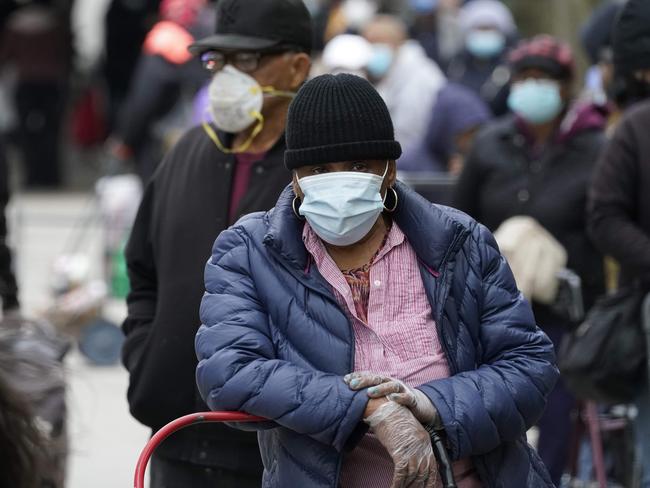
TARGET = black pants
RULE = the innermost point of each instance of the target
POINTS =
(40, 110)
(166, 473)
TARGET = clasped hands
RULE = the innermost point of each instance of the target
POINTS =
(396, 414)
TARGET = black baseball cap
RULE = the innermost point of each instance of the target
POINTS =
(259, 25)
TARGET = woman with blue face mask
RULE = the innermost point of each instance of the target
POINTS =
(488, 30)
(537, 162)
(361, 319)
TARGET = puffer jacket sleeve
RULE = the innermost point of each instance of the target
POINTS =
(238, 369)
(506, 394)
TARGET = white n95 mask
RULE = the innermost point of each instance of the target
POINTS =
(235, 103)
(341, 207)
(236, 100)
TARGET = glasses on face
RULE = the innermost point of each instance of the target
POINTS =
(214, 61)
(245, 61)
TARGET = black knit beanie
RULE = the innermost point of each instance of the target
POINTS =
(336, 118)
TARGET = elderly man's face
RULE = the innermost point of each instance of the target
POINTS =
(284, 71)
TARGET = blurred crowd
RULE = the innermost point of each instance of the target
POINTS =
(424, 56)
(513, 122)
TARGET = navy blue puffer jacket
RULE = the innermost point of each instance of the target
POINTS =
(275, 343)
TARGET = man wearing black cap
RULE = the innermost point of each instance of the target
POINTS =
(619, 206)
(230, 166)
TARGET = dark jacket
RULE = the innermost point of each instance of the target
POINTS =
(503, 178)
(619, 203)
(276, 343)
(488, 78)
(184, 208)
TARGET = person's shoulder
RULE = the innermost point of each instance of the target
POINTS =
(632, 128)
(498, 128)
(480, 246)
(462, 223)
(254, 223)
(193, 137)
(458, 217)
(638, 113)
(492, 138)
(193, 148)
(252, 228)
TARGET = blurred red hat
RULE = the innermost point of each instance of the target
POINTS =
(545, 53)
(182, 12)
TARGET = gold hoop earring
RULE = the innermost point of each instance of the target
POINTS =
(295, 211)
(391, 210)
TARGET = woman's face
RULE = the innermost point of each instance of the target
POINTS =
(375, 166)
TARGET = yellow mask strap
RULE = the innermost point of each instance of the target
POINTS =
(269, 90)
(245, 145)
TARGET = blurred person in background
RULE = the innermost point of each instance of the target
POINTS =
(360, 318)
(619, 200)
(488, 30)
(404, 76)
(346, 53)
(596, 39)
(457, 116)
(434, 24)
(165, 75)
(125, 27)
(538, 163)
(335, 17)
(424, 27)
(37, 44)
(217, 172)
(8, 286)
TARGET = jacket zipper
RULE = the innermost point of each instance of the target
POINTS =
(300, 276)
(443, 295)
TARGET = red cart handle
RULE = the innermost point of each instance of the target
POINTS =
(178, 424)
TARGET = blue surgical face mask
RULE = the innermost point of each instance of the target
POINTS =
(380, 61)
(536, 101)
(485, 44)
(342, 206)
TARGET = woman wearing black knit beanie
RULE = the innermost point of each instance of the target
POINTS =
(363, 321)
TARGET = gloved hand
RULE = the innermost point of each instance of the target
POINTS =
(408, 444)
(382, 386)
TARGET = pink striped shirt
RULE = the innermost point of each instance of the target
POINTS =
(399, 339)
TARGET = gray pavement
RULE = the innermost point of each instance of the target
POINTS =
(105, 440)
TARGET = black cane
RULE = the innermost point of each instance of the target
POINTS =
(444, 464)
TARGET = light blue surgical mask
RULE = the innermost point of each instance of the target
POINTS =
(380, 60)
(342, 206)
(536, 101)
(485, 44)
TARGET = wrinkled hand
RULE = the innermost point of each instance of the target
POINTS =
(382, 386)
(408, 444)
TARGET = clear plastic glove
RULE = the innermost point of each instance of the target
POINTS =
(382, 386)
(407, 443)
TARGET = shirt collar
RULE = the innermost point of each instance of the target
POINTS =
(316, 248)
